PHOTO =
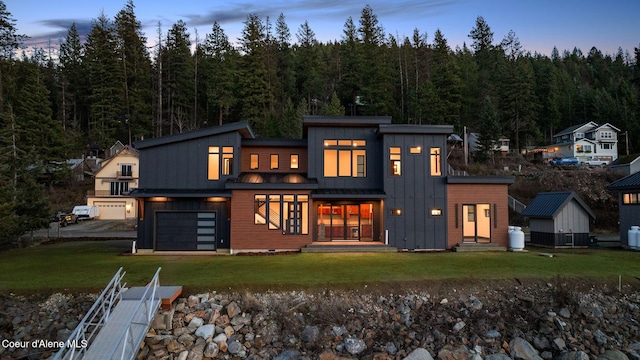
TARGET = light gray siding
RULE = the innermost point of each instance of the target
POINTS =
(572, 219)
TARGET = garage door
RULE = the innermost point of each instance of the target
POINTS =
(185, 231)
(111, 210)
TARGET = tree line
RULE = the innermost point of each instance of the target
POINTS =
(111, 86)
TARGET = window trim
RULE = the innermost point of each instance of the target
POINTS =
(350, 151)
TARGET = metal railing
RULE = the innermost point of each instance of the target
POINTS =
(453, 172)
(94, 320)
(516, 205)
(103, 193)
(151, 304)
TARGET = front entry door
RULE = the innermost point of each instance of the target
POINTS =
(476, 223)
(345, 222)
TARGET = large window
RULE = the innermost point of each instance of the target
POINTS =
(436, 162)
(606, 146)
(275, 161)
(119, 188)
(631, 198)
(345, 158)
(216, 166)
(125, 170)
(395, 156)
(289, 213)
(606, 135)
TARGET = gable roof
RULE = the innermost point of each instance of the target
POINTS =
(606, 125)
(571, 129)
(629, 182)
(126, 150)
(241, 126)
(549, 204)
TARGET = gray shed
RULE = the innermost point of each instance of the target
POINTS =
(559, 219)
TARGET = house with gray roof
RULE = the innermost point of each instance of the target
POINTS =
(628, 189)
(559, 219)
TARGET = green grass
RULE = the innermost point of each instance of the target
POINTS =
(88, 266)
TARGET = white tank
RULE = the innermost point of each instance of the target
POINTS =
(633, 237)
(516, 239)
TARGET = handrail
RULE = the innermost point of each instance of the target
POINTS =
(78, 342)
(516, 205)
(151, 304)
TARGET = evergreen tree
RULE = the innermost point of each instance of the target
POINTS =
(73, 82)
(104, 74)
(446, 83)
(307, 61)
(488, 131)
(136, 68)
(177, 82)
(333, 108)
(285, 67)
(349, 79)
(221, 61)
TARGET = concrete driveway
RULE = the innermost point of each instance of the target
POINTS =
(116, 229)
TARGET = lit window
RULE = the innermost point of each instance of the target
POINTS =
(345, 158)
(254, 162)
(274, 161)
(289, 213)
(214, 163)
(294, 161)
(630, 198)
(396, 212)
(435, 162)
(436, 212)
(396, 161)
(227, 160)
(415, 150)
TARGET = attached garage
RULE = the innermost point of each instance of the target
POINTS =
(112, 210)
(185, 230)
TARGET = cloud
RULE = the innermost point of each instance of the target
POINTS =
(59, 31)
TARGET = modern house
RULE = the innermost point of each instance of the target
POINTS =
(628, 189)
(559, 219)
(585, 141)
(349, 180)
(117, 176)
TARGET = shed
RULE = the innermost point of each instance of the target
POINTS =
(628, 189)
(558, 219)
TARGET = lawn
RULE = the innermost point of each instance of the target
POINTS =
(88, 266)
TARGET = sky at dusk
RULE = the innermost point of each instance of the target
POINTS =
(539, 24)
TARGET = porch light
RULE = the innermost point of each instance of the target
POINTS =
(128, 207)
(396, 211)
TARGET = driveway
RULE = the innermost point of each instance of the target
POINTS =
(116, 229)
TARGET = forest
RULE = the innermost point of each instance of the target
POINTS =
(89, 92)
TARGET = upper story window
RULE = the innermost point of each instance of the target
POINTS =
(126, 170)
(119, 188)
(606, 146)
(415, 150)
(275, 161)
(295, 163)
(579, 135)
(345, 158)
(436, 162)
(254, 162)
(606, 135)
(220, 162)
(630, 198)
(395, 156)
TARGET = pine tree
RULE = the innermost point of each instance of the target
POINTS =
(307, 65)
(488, 131)
(136, 67)
(178, 75)
(73, 82)
(349, 78)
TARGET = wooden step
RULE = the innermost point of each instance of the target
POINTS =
(480, 247)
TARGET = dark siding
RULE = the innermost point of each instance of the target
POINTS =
(316, 137)
(183, 165)
(416, 192)
(146, 227)
(555, 240)
(629, 216)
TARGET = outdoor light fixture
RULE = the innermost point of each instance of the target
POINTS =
(396, 211)
(128, 206)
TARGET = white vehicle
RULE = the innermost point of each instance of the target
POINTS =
(595, 162)
(85, 212)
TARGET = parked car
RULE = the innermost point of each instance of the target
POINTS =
(595, 162)
(65, 218)
(564, 161)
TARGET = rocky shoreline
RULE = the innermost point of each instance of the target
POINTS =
(453, 321)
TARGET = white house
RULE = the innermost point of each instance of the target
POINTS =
(502, 145)
(113, 182)
(585, 141)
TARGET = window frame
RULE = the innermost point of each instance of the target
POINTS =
(395, 160)
(277, 161)
(252, 157)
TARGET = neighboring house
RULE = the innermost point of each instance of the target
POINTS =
(501, 146)
(559, 219)
(584, 141)
(114, 181)
(350, 180)
(628, 189)
(626, 165)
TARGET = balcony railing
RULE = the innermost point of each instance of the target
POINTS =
(103, 193)
(124, 175)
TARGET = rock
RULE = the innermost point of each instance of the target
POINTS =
(241, 320)
(559, 344)
(183, 355)
(229, 331)
(195, 323)
(419, 354)
(211, 350)
(559, 324)
(310, 334)
(235, 348)
(186, 339)
(458, 326)
(474, 303)
(391, 348)
(522, 349)
(192, 301)
(573, 355)
(175, 347)
(354, 346)
(339, 330)
(613, 354)
(206, 331)
(497, 357)
(233, 310)
(288, 355)
(541, 343)
(599, 337)
(565, 313)
(492, 334)
(444, 301)
(459, 353)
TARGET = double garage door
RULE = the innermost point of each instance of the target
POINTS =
(185, 230)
